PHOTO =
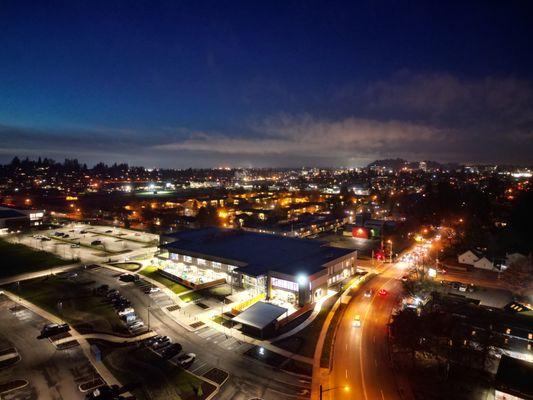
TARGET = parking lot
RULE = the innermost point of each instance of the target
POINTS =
(51, 373)
(88, 242)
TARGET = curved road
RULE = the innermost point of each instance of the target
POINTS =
(361, 357)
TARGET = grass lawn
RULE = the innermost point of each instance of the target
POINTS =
(328, 340)
(304, 342)
(218, 292)
(151, 272)
(160, 380)
(128, 266)
(19, 259)
(85, 311)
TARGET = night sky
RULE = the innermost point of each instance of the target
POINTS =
(266, 83)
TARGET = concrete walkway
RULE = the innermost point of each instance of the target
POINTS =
(318, 306)
(107, 337)
(38, 274)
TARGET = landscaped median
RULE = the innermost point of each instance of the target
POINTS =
(152, 272)
(71, 298)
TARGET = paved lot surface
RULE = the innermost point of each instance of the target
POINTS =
(116, 243)
(51, 373)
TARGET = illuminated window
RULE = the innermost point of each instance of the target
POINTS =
(283, 284)
(201, 261)
(215, 264)
(187, 259)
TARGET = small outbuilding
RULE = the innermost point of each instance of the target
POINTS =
(260, 319)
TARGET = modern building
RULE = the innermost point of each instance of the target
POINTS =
(296, 271)
(15, 219)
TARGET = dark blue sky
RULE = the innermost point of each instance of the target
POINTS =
(276, 83)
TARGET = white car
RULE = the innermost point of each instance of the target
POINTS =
(126, 311)
(186, 359)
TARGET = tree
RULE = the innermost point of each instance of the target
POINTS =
(207, 216)
(519, 276)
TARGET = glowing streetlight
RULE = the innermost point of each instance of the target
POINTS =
(301, 279)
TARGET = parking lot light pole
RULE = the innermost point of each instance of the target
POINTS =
(149, 317)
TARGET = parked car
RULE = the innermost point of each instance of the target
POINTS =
(128, 277)
(126, 311)
(109, 231)
(164, 341)
(75, 246)
(173, 350)
(53, 329)
(152, 289)
(96, 242)
(185, 360)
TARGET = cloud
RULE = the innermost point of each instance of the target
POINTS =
(449, 100)
(416, 116)
(306, 136)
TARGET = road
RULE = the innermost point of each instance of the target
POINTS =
(361, 358)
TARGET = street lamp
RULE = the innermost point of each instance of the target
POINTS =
(390, 255)
(346, 388)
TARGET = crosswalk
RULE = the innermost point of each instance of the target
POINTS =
(222, 340)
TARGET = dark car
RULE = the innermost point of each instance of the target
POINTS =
(128, 277)
(96, 242)
(53, 329)
(173, 350)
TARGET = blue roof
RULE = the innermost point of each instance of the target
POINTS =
(256, 253)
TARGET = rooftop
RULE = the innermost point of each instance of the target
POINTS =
(514, 376)
(10, 213)
(260, 315)
(256, 253)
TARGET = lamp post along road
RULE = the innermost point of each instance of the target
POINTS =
(322, 390)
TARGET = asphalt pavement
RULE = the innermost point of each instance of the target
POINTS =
(361, 364)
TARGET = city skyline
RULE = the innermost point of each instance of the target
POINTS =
(250, 85)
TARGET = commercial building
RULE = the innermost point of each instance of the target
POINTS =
(15, 219)
(296, 271)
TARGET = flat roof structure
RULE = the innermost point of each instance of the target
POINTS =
(256, 253)
(260, 315)
(515, 377)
